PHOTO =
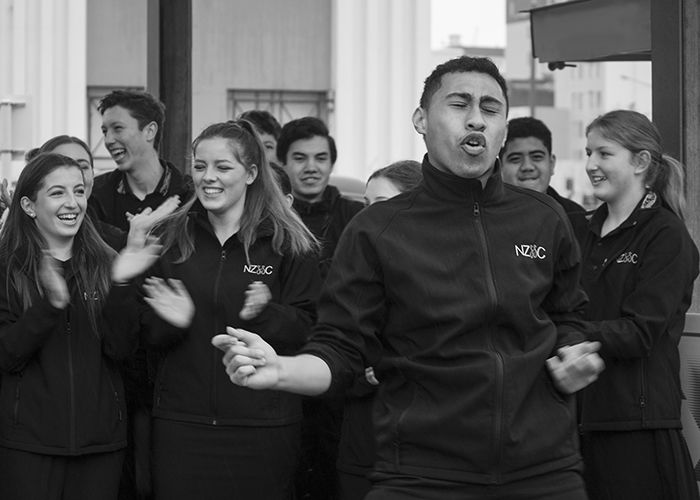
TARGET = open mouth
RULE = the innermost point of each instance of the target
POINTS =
(118, 154)
(474, 144)
(597, 179)
(68, 219)
(212, 191)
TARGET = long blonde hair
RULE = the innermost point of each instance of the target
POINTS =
(636, 133)
(264, 202)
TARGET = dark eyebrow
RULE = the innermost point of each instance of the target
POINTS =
(488, 99)
(461, 95)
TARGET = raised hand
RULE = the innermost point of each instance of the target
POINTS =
(135, 259)
(170, 300)
(256, 298)
(51, 278)
(5, 195)
(249, 360)
(576, 366)
(140, 225)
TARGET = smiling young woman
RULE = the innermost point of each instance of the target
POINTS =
(63, 328)
(236, 253)
(639, 265)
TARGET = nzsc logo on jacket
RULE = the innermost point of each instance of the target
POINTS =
(627, 258)
(531, 250)
(258, 269)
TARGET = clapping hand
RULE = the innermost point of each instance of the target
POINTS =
(576, 366)
(141, 224)
(135, 259)
(170, 300)
(256, 298)
(51, 278)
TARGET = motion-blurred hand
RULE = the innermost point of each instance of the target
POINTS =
(575, 366)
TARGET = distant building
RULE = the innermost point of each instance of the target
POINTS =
(567, 100)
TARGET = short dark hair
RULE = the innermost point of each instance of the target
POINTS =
(303, 128)
(264, 122)
(464, 64)
(405, 174)
(141, 105)
(519, 128)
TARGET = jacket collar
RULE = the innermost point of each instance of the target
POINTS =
(163, 186)
(449, 187)
(325, 205)
(645, 209)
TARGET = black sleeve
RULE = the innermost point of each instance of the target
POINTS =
(352, 309)
(23, 333)
(662, 292)
(287, 322)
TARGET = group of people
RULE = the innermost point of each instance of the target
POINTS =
(471, 333)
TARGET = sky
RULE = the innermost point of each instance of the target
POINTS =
(480, 23)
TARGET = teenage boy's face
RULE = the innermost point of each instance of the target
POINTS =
(464, 125)
(309, 166)
(527, 163)
(128, 144)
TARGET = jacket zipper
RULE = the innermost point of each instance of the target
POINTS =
(15, 413)
(71, 382)
(215, 354)
(498, 421)
(642, 394)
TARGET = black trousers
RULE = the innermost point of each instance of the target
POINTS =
(559, 485)
(32, 476)
(638, 465)
(194, 461)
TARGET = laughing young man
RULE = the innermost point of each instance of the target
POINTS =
(466, 289)
(132, 125)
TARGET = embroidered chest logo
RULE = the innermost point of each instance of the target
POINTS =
(258, 269)
(627, 258)
(532, 251)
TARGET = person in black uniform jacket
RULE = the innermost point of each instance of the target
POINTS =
(639, 267)
(527, 161)
(132, 126)
(308, 153)
(75, 148)
(234, 254)
(65, 322)
(356, 448)
(464, 301)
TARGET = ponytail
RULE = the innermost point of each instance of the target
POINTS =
(670, 184)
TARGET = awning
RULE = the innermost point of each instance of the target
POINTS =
(592, 30)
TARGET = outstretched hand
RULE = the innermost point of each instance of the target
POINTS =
(51, 278)
(249, 360)
(170, 300)
(576, 366)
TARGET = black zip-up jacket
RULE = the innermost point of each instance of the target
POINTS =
(466, 292)
(326, 219)
(191, 384)
(111, 195)
(61, 391)
(639, 278)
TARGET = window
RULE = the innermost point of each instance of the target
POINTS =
(285, 105)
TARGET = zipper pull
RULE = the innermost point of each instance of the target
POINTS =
(223, 255)
(477, 212)
(642, 401)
